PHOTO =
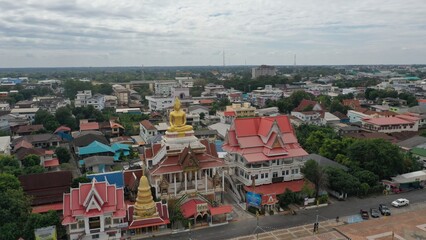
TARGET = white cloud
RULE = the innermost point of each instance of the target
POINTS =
(194, 32)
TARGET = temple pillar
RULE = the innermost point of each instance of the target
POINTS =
(186, 182)
(196, 182)
(223, 180)
(214, 172)
(205, 179)
(174, 178)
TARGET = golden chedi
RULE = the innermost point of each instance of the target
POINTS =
(145, 205)
(177, 119)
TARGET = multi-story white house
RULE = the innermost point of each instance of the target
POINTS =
(263, 151)
(147, 130)
(85, 98)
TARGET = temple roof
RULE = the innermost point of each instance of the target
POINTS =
(263, 139)
(93, 199)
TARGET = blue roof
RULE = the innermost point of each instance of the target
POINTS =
(116, 178)
(95, 147)
(119, 146)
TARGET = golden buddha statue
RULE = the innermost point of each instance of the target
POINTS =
(145, 205)
(177, 119)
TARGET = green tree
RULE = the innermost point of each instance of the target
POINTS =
(378, 156)
(30, 160)
(65, 117)
(287, 198)
(316, 174)
(9, 164)
(339, 180)
(104, 88)
(47, 119)
(368, 177)
(76, 181)
(364, 188)
(35, 221)
(14, 207)
(63, 154)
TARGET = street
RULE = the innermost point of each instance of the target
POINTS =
(269, 223)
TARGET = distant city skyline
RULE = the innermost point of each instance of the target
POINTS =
(98, 33)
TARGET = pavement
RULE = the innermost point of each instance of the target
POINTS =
(349, 207)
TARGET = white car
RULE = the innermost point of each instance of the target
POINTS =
(400, 202)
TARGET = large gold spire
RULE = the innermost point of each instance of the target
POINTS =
(145, 205)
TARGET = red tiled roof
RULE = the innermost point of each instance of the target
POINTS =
(220, 210)
(89, 126)
(189, 208)
(115, 125)
(387, 121)
(351, 103)
(29, 128)
(229, 113)
(206, 101)
(304, 104)
(62, 129)
(47, 207)
(250, 136)
(109, 198)
(51, 163)
(277, 188)
(22, 144)
(147, 125)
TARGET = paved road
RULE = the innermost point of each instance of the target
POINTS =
(268, 223)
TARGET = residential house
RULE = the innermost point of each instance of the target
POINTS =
(4, 107)
(86, 125)
(94, 210)
(28, 113)
(44, 140)
(25, 104)
(99, 164)
(29, 129)
(147, 130)
(310, 112)
(85, 98)
(47, 158)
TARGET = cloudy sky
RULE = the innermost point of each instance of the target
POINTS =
(51, 33)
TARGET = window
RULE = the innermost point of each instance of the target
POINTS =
(96, 236)
(262, 175)
(287, 172)
(81, 224)
(283, 173)
(292, 171)
(107, 221)
(266, 175)
(94, 222)
(274, 174)
(116, 221)
(74, 226)
(296, 171)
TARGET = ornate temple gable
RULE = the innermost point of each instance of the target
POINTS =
(188, 160)
(274, 129)
(93, 199)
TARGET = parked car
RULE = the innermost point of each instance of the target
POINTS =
(364, 214)
(400, 202)
(384, 210)
(374, 213)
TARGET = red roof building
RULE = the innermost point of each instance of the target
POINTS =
(305, 105)
(265, 152)
(94, 209)
(87, 126)
(399, 123)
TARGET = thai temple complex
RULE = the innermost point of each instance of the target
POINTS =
(182, 164)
